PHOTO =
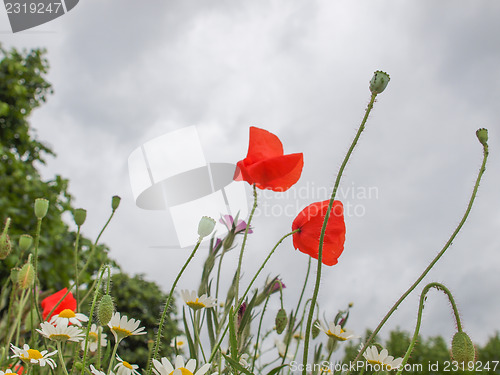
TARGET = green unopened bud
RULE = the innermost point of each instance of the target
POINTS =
(105, 309)
(14, 272)
(482, 135)
(206, 226)
(281, 321)
(25, 241)
(79, 215)
(379, 82)
(26, 276)
(41, 207)
(5, 246)
(462, 349)
(79, 366)
(315, 329)
(115, 202)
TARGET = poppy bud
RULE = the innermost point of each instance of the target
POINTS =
(115, 202)
(379, 82)
(14, 273)
(79, 215)
(281, 321)
(26, 276)
(41, 207)
(206, 226)
(315, 329)
(25, 241)
(105, 309)
(5, 246)
(462, 349)
(482, 135)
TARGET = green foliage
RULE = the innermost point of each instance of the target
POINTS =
(433, 354)
(141, 299)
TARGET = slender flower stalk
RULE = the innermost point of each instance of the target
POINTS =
(238, 270)
(214, 350)
(438, 256)
(323, 229)
(165, 309)
(426, 289)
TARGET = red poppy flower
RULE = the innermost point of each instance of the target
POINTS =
(266, 166)
(48, 303)
(310, 221)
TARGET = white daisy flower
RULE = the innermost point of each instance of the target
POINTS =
(95, 371)
(244, 360)
(93, 337)
(192, 300)
(8, 371)
(34, 356)
(125, 368)
(165, 367)
(61, 332)
(336, 331)
(384, 360)
(68, 317)
(122, 327)
(179, 342)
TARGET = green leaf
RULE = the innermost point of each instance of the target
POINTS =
(233, 341)
(276, 369)
(192, 351)
(237, 366)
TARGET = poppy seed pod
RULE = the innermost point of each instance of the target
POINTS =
(105, 309)
(462, 349)
(25, 241)
(41, 207)
(5, 246)
(206, 226)
(482, 135)
(379, 82)
(115, 202)
(281, 321)
(80, 215)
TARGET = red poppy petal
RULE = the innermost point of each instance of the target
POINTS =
(48, 303)
(310, 221)
(278, 174)
(262, 145)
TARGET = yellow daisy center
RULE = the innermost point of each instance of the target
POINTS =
(92, 337)
(184, 371)
(180, 343)
(59, 337)
(127, 365)
(196, 305)
(67, 313)
(33, 354)
(121, 331)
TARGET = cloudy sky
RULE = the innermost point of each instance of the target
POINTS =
(125, 72)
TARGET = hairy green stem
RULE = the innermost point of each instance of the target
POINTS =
(61, 358)
(77, 286)
(323, 230)
(238, 270)
(438, 256)
(419, 318)
(167, 305)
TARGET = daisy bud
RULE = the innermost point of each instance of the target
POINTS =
(482, 135)
(105, 309)
(379, 82)
(206, 226)
(115, 202)
(462, 349)
(78, 366)
(315, 329)
(25, 242)
(41, 207)
(26, 276)
(281, 321)
(5, 246)
(80, 215)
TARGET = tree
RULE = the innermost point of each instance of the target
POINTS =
(22, 89)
